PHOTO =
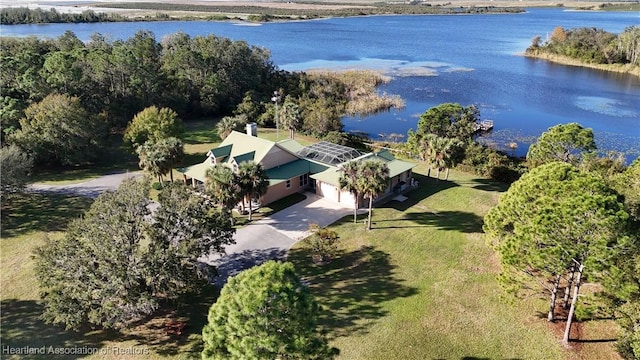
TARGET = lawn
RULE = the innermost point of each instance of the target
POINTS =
(422, 284)
(26, 222)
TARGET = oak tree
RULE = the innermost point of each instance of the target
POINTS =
(116, 263)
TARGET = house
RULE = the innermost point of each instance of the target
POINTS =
(292, 167)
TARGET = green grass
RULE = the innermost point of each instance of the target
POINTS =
(114, 158)
(274, 207)
(26, 222)
(422, 284)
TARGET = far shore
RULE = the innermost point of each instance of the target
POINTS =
(241, 10)
(564, 60)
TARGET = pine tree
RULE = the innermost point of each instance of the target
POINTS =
(556, 221)
(265, 313)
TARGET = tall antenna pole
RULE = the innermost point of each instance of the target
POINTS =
(275, 99)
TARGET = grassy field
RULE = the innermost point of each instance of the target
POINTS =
(420, 285)
(115, 157)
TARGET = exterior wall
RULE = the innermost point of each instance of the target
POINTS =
(330, 192)
(280, 190)
(327, 191)
(277, 156)
(347, 198)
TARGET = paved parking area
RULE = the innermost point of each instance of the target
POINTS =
(271, 237)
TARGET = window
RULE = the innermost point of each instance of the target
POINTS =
(304, 180)
(288, 183)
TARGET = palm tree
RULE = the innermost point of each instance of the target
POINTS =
(222, 184)
(173, 150)
(376, 179)
(290, 116)
(230, 123)
(152, 159)
(438, 152)
(252, 178)
(349, 178)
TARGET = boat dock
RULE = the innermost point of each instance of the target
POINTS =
(482, 126)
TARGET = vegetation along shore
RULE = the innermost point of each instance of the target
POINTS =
(425, 275)
(592, 48)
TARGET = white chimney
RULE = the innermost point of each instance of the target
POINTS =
(252, 129)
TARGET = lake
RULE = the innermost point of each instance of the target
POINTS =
(468, 59)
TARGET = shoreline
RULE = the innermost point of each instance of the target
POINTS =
(275, 11)
(565, 60)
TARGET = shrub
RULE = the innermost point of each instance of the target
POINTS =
(322, 245)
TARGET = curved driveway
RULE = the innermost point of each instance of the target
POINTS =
(262, 240)
(271, 237)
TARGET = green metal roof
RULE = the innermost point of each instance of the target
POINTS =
(329, 176)
(287, 171)
(291, 146)
(385, 154)
(197, 171)
(332, 175)
(245, 157)
(221, 151)
(397, 167)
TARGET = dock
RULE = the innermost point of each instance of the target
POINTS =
(482, 126)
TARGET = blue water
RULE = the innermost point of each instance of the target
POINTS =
(434, 59)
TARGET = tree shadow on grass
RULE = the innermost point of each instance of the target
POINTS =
(22, 327)
(443, 220)
(28, 212)
(201, 131)
(191, 310)
(352, 288)
(115, 157)
(427, 187)
(490, 185)
(232, 264)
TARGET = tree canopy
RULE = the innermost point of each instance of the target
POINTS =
(367, 178)
(59, 130)
(265, 313)
(117, 262)
(557, 221)
(593, 45)
(564, 142)
(153, 124)
(15, 166)
(252, 178)
(440, 153)
(223, 186)
(448, 120)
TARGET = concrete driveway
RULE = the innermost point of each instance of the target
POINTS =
(271, 237)
(266, 239)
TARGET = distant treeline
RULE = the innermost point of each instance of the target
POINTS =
(23, 15)
(195, 76)
(591, 45)
(265, 13)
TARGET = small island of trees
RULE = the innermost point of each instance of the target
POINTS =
(591, 47)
